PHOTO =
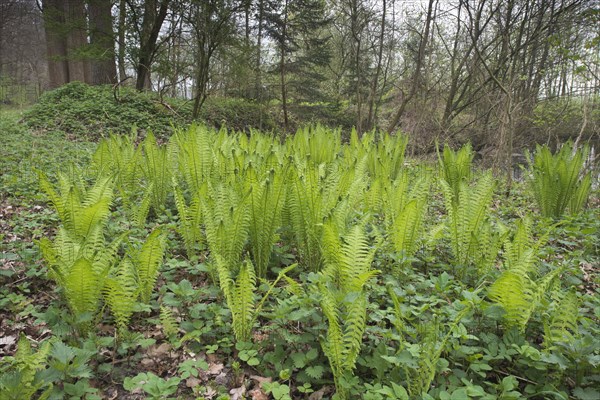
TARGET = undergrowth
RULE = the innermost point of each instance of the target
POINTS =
(218, 265)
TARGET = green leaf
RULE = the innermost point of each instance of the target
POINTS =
(588, 393)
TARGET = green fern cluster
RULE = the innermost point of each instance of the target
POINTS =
(274, 191)
(85, 266)
(79, 260)
(156, 171)
(267, 199)
(239, 289)
(430, 341)
(133, 279)
(119, 158)
(226, 217)
(559, 182)
(406, 204)
(344, 299)
(474, 241)
(456, 167)
(560, 325)
(519, 289)
(19, 378)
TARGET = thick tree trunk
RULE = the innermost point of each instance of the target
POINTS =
(102, 39)
(56, 46)
(79, 66)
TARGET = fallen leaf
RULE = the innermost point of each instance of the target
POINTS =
(222, 379)
(159, 351)
(147, 362)
(7, 340)
(258, 394)
(261, 379)
(318, 395)
(192, 382)
(237, 393)
(215, 368)
(209, 393)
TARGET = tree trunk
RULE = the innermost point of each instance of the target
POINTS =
(56, 46)
(282, 70)
(151, 25)
(356, 32)
(372, 95)
(79, 66)
(419, 66)
(102, 40)
(258, 86)
(121, 29)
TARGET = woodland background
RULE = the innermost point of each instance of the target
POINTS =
(502, 74)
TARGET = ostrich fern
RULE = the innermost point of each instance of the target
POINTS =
(267, 198)
(189, 224)
(344, 299)
(226, 219)
(239, 290)
(559, 182)
(156, 169)
(406, 213)
(19, 374)
(455, 167)
(474, 241)
(561, 324)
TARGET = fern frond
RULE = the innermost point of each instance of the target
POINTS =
(81, 287)
(354, 328)
(121, 293)
(514, 292)
(141, 211)
(562, 324)
(333, 346)
(558, 180)
(148, 262)
(243, 302)
(168, 322)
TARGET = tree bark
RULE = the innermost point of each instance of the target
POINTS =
(151, 25)
(282, 69)
(79, 65)
(418, 70)
(102, 39)
(372, 95)
(121, 33)
(56, 46)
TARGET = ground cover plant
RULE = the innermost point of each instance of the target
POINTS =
(216, 264)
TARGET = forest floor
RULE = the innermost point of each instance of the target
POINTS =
(199, 358)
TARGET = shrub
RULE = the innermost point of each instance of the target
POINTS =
(237, 114)
(93, 111)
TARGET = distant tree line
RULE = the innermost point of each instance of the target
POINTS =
(489, 71)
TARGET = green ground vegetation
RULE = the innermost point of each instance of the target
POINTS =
(212, 264)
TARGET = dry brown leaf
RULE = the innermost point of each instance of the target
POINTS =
(258, 394)
(215, 368)
(261, 379)
(222, 379)
(8, 340)
(237, 393)
(192, 382)
(159, 351)
(318, 395)
(147, 363)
